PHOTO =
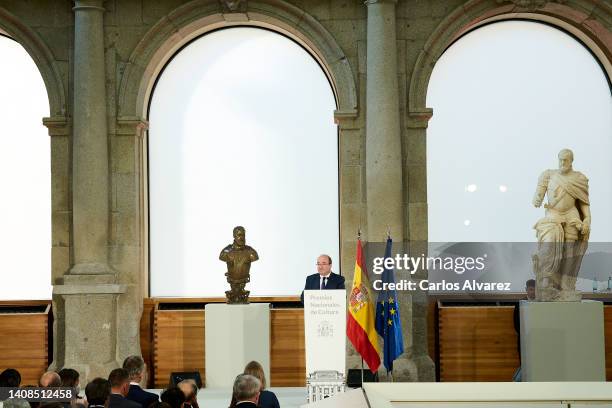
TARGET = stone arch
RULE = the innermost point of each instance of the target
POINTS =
(579, 18)
(198, 17)
(43, 58)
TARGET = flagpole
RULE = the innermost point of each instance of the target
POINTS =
(361, 372)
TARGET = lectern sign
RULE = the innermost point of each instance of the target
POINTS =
(325, 330)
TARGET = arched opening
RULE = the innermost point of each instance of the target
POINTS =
(25, 169)
(241, 133)
(507, 98)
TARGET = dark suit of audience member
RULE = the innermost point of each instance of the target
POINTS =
(267, 399)
(144, 398)
(119, 401)
(247, 404)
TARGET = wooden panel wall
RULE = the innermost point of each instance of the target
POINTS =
(608, 339)
(477, 343)
(146, 338)
(178, 344)
(24, 344)
(288, 360)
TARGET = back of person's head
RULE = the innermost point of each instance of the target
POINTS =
(50, 379)
(135, 366)
(189, 388)
(246, 387)
(97, 391)
(173, 396)
(15, 403)
(119, 381)
(10, 378)
(69, 377)
(256, 370)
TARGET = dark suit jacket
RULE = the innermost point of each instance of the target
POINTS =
(267, 399)
(247, 405)
(334, 281)
(141, 396)
(118, 401)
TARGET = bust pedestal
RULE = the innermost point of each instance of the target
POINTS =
(562, 341)
(235, 335)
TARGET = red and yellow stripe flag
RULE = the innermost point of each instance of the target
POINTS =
(360, 327)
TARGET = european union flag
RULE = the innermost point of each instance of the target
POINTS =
(388, 324)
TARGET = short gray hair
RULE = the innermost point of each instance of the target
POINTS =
(246, 387)
(134, 365)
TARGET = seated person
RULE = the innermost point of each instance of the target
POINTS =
(246, 391)
(174, 396)
(120, 385)
(267, 399)
(135, 366)
(97, 393)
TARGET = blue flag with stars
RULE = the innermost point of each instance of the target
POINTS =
(388, 324)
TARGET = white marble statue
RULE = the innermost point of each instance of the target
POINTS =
(563, 233)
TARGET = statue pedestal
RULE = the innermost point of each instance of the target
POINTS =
(235, 335)
(562, 341)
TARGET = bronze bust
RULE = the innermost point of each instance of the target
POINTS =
(238, 257)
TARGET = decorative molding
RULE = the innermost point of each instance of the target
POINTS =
(531, 5)
(131, 126)
(234, 6)
(57, 125)
(419, 119)
(200, 16)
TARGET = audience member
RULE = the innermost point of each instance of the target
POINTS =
(246, 391)
(135, 366)
(267, 399)
(70, 378)
(530, 287)
(50, 379)
(15, 403)
(120, 384)
(190, 389)
(160, 404)
(174, 396)
(10, 378)
(97, 393)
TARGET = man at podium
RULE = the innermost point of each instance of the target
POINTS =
(324, 278)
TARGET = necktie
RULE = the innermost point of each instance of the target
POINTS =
(323, 283)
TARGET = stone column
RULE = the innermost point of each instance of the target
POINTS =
(384, 178)
(383, 143)
(90, 177)
(85, 299)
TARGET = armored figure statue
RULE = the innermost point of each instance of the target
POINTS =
(564, 231)
(238, 257)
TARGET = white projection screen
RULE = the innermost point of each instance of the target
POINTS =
(241, 133)
(25, 176)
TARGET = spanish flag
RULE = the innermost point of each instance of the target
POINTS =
(360, 327)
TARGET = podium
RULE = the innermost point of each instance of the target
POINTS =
(234, 336)
(325, 340)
